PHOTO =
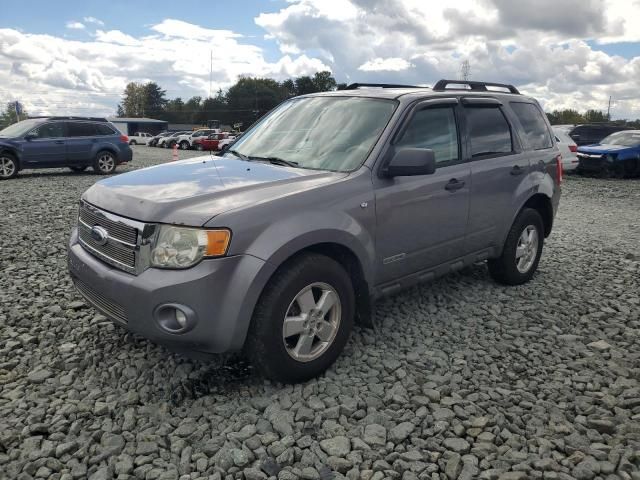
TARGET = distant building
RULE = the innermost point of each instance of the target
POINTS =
(130, 126)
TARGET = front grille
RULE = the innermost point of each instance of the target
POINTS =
(106, 306)
(120, 249)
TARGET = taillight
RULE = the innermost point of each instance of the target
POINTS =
(573, 148)
(124, 138)
(559, 169)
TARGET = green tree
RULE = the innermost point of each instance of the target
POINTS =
(305, 85)
(133, 100)
(153, 98)
(250, 98)
(9, 117)
(324, 81)
(567, 116)
(595, 116)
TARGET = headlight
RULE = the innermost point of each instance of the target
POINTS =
(178, 247)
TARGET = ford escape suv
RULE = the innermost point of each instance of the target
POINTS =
(56, 142)
(331, 200)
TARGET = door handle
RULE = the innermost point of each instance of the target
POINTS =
(454, 184)
(59, 142)
(517, 170)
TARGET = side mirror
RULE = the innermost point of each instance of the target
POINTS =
(30, 136)
(411, 161)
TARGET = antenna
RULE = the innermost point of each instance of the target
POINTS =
(465, 70)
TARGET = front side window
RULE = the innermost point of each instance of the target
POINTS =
(49, 130)
(81, 129)
(533, 124)
(435, 129)
(323, 133)
(20, 128)
(489, 131)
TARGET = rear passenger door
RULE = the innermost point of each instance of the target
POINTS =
(82, 137)
(498, 167)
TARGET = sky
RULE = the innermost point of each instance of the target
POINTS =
(75, 57)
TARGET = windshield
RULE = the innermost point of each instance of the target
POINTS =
(325, 133)
(19, 129)
(626, 139)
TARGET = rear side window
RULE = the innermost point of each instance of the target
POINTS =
(533, 124)
(489, 131)
(104, 129)
(49, 130)
(82, 129)
(433, 128)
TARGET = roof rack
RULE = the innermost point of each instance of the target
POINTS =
(441, 85)
(355, 86)
(93, 119)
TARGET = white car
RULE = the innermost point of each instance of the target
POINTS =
(185, 142)
(168, 140)
(568, 149)
(140, 138)
(226, 141)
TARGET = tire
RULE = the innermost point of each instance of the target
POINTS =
(78, 169)
(8, 166)
(199, 147)
(309, 277)
(133, 142)
(509, 269)
(184, 145)
(104, 163)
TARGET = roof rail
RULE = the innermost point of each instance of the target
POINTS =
(355, 86)
(50, 117)
(478, 86)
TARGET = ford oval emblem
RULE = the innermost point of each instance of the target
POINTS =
(100, 235)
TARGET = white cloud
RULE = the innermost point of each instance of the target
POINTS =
(93, 20)
(543, 46)
(51, 74)
(75, 25)
(385, 64)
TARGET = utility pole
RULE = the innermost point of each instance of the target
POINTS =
(465, 70)
(210, 70)
(609, 110)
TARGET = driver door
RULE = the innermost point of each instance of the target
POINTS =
(47, 147)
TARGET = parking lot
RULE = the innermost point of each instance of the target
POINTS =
(462, 378)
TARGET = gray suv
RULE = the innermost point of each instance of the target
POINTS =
(328, 202)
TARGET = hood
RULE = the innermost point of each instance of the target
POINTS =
(603, 149)
(190, 192)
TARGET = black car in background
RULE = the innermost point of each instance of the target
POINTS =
(591, 133)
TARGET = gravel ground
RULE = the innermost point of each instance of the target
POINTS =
(461, 379)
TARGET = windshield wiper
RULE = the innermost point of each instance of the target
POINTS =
(238, 154)
(275, 161)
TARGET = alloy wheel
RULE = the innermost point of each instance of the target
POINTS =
(527, 249)
(7, 167)
(106, 163)
(311, 322)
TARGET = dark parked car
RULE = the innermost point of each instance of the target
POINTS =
(55, 142)
(328, 202)
(617, 155)
(591, 133)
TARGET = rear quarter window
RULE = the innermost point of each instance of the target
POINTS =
(533, 125)
(104, 130)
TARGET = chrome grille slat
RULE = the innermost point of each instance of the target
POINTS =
(105, 305)
(117, 230)
(121, 248)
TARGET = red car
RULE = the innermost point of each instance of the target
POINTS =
(209, 143)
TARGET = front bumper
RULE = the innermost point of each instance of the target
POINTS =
(592, 163)
(222, 293)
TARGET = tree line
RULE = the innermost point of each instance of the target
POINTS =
(243, 103)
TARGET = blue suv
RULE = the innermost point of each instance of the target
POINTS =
(55, 142)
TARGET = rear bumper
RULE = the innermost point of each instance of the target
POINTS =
(221, 293)
(125, 155)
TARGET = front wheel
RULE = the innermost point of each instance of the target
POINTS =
(8, 166)
(302, 320)
(105, 163)
(522, 250)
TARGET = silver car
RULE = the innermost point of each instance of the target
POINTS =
(329, 202)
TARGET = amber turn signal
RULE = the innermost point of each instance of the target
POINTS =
(217, 242)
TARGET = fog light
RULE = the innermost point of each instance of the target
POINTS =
(174, 318)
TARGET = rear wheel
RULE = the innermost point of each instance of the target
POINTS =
(8, 166)
(199, 147)
(302, 320)
(78, 169)
(105, 163)
(522, 250)
(184, 145)
(133, 142)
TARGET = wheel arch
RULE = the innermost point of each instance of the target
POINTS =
(541, 203)
(13, 153)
